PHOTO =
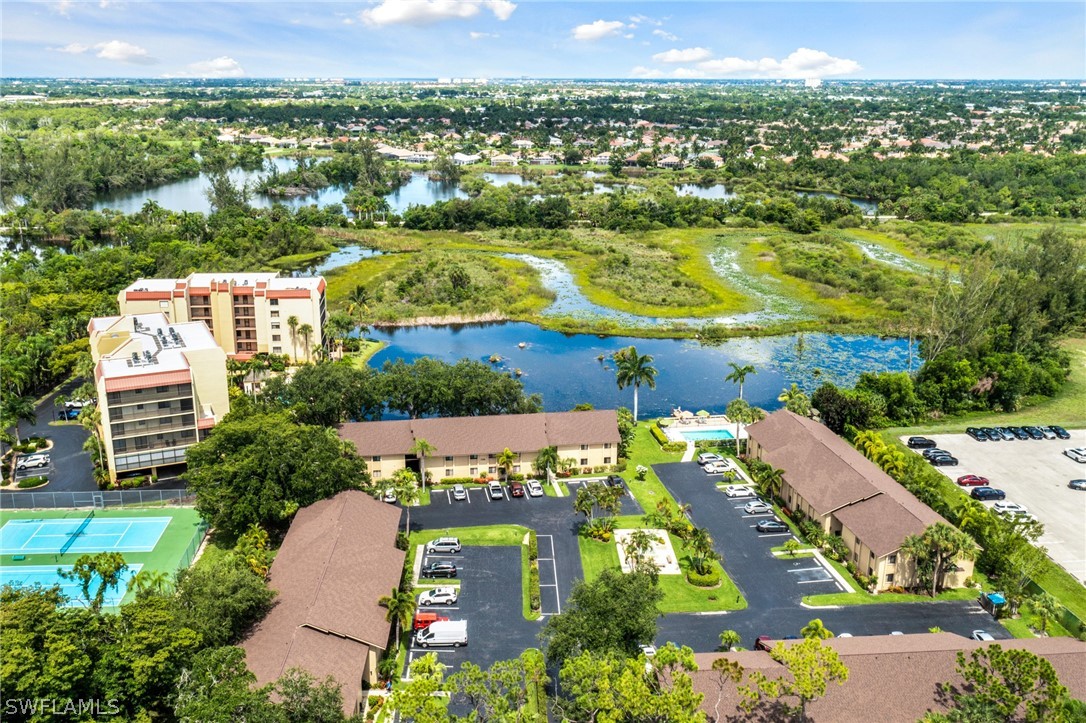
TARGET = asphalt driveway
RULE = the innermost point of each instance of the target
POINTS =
(70, 470)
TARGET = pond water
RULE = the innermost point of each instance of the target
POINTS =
(190, 194)
(507, 179)
(566, 370)
(882, 254)
(717, 192)
(869, 208)
(342, 257)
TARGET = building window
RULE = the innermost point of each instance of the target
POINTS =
(277, 337)
(516, 469)
(584, 448)
(892, 559)
(376, 474)
(474, 471)
(607, 460)
(277, 350)
(584, 461)
(162, 390)
(870, 571)
(491, 469)
(448, 472)
(273, 302)
(473, 457)
(274, 314)
(275, 325)
(448, 460)
(163, 405)
(889, 578)
(377, 458)
(607, 445)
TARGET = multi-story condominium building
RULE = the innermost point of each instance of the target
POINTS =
(470, 446)
(248, 313)
(161, 387)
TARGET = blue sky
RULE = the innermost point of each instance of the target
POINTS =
(537, 38)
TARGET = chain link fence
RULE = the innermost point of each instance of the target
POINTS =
(93, 500)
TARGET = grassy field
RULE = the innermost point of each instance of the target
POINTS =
(646, 451)
(369, 348)
(865, 598)
(175, 547)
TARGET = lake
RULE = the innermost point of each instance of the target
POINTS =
(869, 208)
(715, 192)
(565, 368)
(506, 179)
(190, 194)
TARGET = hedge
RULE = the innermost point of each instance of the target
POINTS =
(711, 579)
(32, 482)
(658, 435)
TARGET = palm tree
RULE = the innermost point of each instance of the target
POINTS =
(359, 300)
(769, 480)
(1046, 607)
(638, 544)
(405, 484)
(795, 400)
(816, 629)
(19, 409)
(868, 442)
(292, 322)
(633, 369)
(701, 544)
(423, 449)
(147, 582)
(505, 461)
(546, 459)
(401, 607)
(306, 330)
(739, 375)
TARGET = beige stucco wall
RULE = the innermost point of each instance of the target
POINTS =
(487, 464)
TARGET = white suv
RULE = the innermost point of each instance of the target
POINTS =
(444, 544)
(534, 489)
(439, 596)
(34, 460)
(738, 491)
(494, 489)
(1076, 453)
(707, 457)
(1010, 509)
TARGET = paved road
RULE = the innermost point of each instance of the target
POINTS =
(71, 466)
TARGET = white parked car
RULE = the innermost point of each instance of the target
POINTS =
(707, 457)
(715, 468)
(1011, 509)
(390, 495)
(738, 491)
(534, 488)
(1076, 453)
(494, 489)
(982, 635)
(757, 507)
(33, 460)
(439, 596)
(459, 492)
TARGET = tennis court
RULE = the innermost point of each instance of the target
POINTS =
(90, 534)
(31, 576)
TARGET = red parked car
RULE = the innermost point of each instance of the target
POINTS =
(423, 620)
(516, 489)
(972, 480)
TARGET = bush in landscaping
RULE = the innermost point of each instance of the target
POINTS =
(533, 586)
(674, 447)
(32, 482)
(709, 579)
(620, 467)
(533, 546)
(659, 436)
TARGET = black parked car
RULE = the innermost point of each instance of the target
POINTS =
(920, 443)
(987, 493)
(1034, 432)
(1018, 432)
(934, 452)
(992, 433)
(771, 526)
(944, 461)
(1060, 432)
(613, 480)
(439, 569)
(977, 434)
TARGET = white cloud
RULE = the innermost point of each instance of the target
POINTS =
(62, 7)
(480, 36)
(802, 63)
(688, 55)
(598, 30)
(73, 48)
(638, 19)
(123, 52)
(687, 73)
(348, 21)
(628, 36)
(640, 71)
(220, 67)
(665, 34)
(427, 12)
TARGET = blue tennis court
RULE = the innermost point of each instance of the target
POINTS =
(107, 534)
(47, 576)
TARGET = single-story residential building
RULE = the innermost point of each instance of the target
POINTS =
(465, 159)
(835, 486)
(892, 678)
(503, 159)
(338, 559)
(469, 446)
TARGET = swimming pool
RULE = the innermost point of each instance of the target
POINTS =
(694, 435)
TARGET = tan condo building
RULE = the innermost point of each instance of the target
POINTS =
(248, 313)
(849, 496)
(470, 446)
(161, 388)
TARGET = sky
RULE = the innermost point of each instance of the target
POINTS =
(543, 39)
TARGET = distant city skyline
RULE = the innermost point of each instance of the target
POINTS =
(542, 39)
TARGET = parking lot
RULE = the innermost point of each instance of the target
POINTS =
(490, 601)
(1033, 473)
(46, 471)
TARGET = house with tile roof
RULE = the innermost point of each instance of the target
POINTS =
(848, 495)
(469, 446)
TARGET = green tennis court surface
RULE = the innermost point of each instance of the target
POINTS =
(162, 538)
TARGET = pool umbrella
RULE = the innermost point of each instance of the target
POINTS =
(702, 413)
(685, 414)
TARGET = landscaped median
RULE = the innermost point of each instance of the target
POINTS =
(489, 535)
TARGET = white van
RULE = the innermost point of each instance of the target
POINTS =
(443, 632)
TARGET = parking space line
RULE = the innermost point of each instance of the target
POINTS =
(808, 569)
(807, 582)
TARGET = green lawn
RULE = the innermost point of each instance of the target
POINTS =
(864, 598)
(174, 549)
(369, 347)
(646, 451)
(1024, 626)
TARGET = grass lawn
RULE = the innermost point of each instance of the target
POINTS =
(646, 451)
(492, 535)
(173, 550)
(369, 347)
(1025, 625)
(864, 598)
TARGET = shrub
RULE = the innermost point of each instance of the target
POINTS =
(620, 467)
(402, 541)
(709, 579)
(659, 436)
(32, 482)
(674, 447)
(642, 471)
(599, 469)
(533, 546)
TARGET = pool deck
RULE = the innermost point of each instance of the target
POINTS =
(703, 424)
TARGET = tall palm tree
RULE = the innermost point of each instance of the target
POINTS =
(739, 375)
(359, 299)
(1046, 607)
(423, 449)
(506, 460)
(306, 330)
(634, 369)
(405, 484)
(19, 409)
(292, 323)
(401, 607)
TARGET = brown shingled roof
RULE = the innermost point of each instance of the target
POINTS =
(337, 560)
(484, 435)
(891, 677)
(881, 523)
